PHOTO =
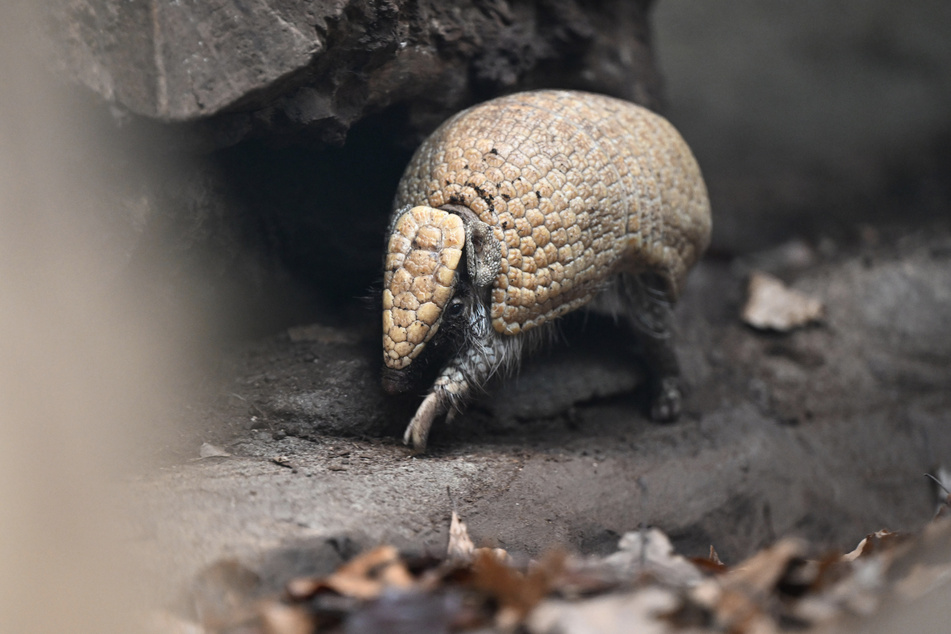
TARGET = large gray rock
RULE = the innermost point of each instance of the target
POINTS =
(281, 65)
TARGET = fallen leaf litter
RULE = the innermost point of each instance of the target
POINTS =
(645, 587)
(771, 305)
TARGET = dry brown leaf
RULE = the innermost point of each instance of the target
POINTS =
(711, 563)
(283, 461)
(650, 552)
(875, 543)
(303, 588)
(740, 599)
(888, 568)
(585, 576)
(762, 572)
(736, 612)
(368, 574)
(609, 614)
(516, 594)
(363, 577)
(825, 572)
(500, 554)
(280, 618)
(773, 306)
(461, 548)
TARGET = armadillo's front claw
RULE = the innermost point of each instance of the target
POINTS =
(667, 400)
(417, 432)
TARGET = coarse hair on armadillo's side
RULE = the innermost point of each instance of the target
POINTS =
(501, 353)
(651, 304)
(643, 301)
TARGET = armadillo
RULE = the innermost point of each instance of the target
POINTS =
(520, 210)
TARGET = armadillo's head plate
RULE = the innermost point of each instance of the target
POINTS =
(423, 253)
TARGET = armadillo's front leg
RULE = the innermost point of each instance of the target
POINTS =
(449, 391)
(432, 407)
(485, 352)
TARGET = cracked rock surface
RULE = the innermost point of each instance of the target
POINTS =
(314, 68)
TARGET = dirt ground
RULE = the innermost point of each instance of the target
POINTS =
(824, 432)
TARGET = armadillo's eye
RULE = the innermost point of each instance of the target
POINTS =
(454, 309)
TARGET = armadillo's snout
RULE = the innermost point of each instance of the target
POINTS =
(396, 381)
(422, 255)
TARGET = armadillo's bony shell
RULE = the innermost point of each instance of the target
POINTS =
(419, 274)
(579, 186)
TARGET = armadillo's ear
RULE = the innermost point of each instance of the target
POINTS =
(483, 250)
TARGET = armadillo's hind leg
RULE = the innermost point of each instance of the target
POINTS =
(650, 314)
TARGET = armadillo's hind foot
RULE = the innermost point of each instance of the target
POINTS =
(664, 371)
(650, 315)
